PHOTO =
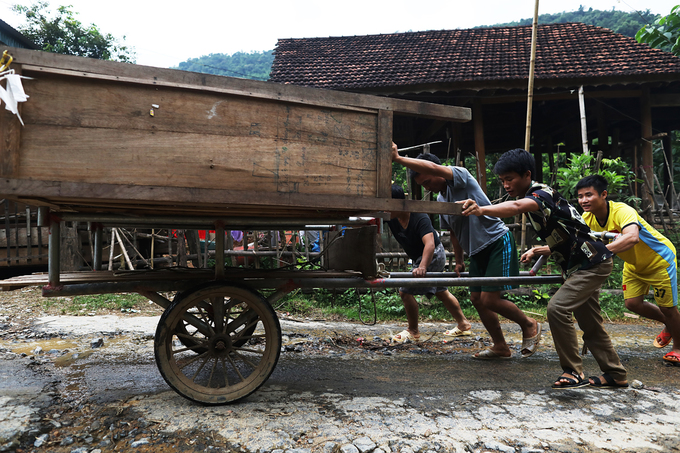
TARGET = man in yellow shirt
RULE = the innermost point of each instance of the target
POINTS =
(650, 259)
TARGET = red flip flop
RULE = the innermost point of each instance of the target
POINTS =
(672, 357)
(662, 340)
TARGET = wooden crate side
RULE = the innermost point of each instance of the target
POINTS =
(81, 130)
(194, 161)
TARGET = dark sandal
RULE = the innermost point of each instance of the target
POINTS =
(609, 382)
(571, 383)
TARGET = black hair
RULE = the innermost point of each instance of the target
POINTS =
(398, 192)
(425, 156)
(518, 160)
(598, 182)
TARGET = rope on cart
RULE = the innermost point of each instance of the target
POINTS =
(375, 309)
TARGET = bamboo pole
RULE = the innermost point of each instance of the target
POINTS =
(122, 247)
(530, 98)
(112, 245)
(532, 65)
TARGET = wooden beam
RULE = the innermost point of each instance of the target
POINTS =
(215, 200)
(664, 100)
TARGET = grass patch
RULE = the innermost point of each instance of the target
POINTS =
(356, 305)
(96, 302)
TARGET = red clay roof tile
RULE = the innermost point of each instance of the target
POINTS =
(571, 50)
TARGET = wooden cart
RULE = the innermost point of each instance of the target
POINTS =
(115, 144)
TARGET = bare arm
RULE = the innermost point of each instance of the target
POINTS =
(505, 209)
(426, 259)
(422, 166)
(531, 253)
(629, 237)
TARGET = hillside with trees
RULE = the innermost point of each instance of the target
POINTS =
(249, 65)
(626, 24)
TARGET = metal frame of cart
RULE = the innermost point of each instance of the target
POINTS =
(219, 339)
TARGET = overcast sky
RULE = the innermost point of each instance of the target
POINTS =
(165, 33)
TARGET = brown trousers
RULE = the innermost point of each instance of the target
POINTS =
(580, 295)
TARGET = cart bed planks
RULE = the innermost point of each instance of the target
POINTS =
(103, 136)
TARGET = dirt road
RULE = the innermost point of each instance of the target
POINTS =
(89, 384)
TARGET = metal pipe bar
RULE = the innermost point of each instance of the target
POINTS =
(199, 223)
(443, 274)
(83, 289)
(291, 283)
(330, 283)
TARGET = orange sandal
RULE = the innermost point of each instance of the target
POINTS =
(662, 340)
(672, 357)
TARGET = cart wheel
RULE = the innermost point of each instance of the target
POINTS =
(217, 344)
(198, 344)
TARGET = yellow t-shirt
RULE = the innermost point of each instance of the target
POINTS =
(654, 251)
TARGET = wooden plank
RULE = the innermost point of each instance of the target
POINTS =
(384, 154)
(153, 195)
(197, 160)
(69, 103)
(44, 62)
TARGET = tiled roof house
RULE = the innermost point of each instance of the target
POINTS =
(632, 91)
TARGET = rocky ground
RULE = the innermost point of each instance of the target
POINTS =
(89, 384)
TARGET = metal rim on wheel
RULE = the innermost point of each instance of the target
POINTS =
(218, 343)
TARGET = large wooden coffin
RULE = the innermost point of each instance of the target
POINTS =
(112, 137)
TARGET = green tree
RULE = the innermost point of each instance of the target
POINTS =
(61, 32)
(664, 33)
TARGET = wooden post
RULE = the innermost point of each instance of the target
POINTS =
(477, 120)
(668, 186)
(646, 132)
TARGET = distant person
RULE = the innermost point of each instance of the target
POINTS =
(586, 263)
(490, 247)
(420, 241)
(650, 259)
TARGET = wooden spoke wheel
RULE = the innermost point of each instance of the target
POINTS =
(217, 344)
